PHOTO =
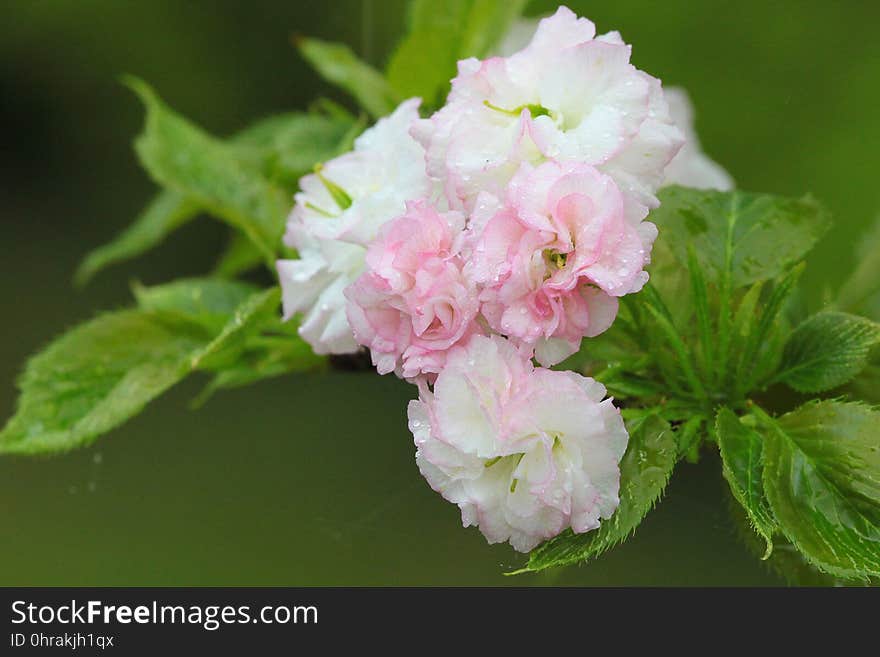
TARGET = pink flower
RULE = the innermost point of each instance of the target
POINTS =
(568, 95)
(552, 260)
(524, 452)
(413, 303)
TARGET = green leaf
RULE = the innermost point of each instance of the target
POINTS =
(210, 301)
(872, 308)
(231, 310)
(700, 297)
(786, 561)
(212, 173)
(248, 318)
(762, 348)
(689, 437)
(674, 340)
(239, 256)
(249, 342)
(652, 330)
(744, 320)
(264, 132)
(644, 473)
(744, 323)
(441, 32)
(425, 61)
(336, 63)
(270, 358)
(291, 142)
(866, 386)
(487, 24)
(626, 387)
(738, 236)
(167, 212)
(822, 480)
(827, 350)
(309, 141)
(96, 376)
(277, 147)
(101, 373)
(671, 280)
(740, 449)
(612, 347)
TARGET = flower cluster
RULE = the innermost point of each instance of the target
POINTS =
(524, 451)
(337, 214)
(504, 228)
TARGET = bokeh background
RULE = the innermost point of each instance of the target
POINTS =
(310, 480)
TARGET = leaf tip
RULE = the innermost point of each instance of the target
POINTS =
(137, 289)
(83, 274)
(519, 571)
(137, 85)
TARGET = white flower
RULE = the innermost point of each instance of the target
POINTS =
(525, 452)
(351, 196)
(314, 285)
(691, 167)
(568, 95)
(338, 212)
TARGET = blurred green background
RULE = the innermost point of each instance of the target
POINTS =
(310, 479)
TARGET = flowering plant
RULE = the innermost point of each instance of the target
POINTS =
(577, 294)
